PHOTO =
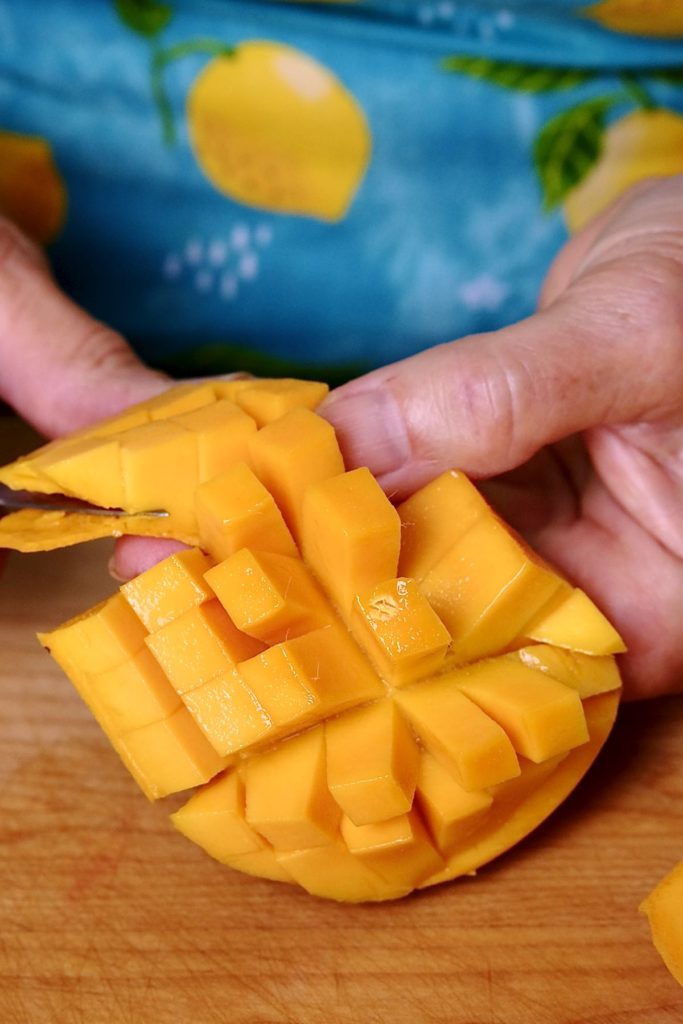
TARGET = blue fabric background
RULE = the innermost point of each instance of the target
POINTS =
(445, 236)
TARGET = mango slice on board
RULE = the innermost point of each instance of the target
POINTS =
(664, 910)
(365, 699)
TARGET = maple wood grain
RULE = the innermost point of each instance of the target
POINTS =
(107, 915)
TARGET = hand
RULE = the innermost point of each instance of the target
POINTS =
(59, 368)
(574, 417)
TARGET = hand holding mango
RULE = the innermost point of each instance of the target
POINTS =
(577, 412)
(577, 415)
(59, 368)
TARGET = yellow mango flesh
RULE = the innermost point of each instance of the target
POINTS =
(664, 910)
(372, 763)
(151, 457)
(572, 620)
(332, 675)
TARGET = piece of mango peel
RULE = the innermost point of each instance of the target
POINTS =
(664, 910)
(367, 699)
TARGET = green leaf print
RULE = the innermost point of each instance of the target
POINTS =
(674, 76)
(162, 58)
(567, 147)
(514, 75)
(146, 17)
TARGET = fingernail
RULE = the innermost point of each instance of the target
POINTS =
(113, 570)
(370, 428)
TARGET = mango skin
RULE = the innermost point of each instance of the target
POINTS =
(368, 700)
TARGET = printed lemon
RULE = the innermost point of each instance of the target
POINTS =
(32, 193)
(643, 144)
(274, 129)
(639, 17)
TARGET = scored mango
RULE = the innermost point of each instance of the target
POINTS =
(368, 699)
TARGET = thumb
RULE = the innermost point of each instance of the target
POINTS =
(59, 368)
(487, 403)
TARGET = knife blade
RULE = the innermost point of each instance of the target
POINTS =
(13, 501)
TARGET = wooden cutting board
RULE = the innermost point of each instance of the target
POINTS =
(107, 915)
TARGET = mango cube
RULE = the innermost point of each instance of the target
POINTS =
(398, 849)
(288, 801)
(153, 458)
(461, 735)
(170, 755)
(291, 454)
(450, 811)
(180, 399)
(400, 631)
(372, 763)
(434, 519)
(198, 645)
(486, 588)
(135, 693)
(588, 675)
(281, 688)
(268, 400)
(135, 416)
(100, 639)
(332, 871)
(214, 819)
(169, 588)
(351, 535)
(228, 713)
(88, 463)
(270, 597)
(542, 716)
(234, 511)
(222, 432)
(324, 668)
(263, 863)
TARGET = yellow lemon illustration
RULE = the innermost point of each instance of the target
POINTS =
(32, 193)
(640, 17)
(274, 129)
(643, 144)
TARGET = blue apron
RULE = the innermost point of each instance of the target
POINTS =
(316, 189)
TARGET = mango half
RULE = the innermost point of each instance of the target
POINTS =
(366, 699)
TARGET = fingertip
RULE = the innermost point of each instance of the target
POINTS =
(370, 427)
(132, 555)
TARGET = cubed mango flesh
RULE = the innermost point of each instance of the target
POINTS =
(268, 596)
(169, 588)
(350, 535)
(234, 511)
(486, 588)
(398, 849)
(400, 631)
(372, 763)
(290, 454)
(89, 464)
(366, 699)
(571, 620)
(287, 797)
(434, 518)
(222, 431)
